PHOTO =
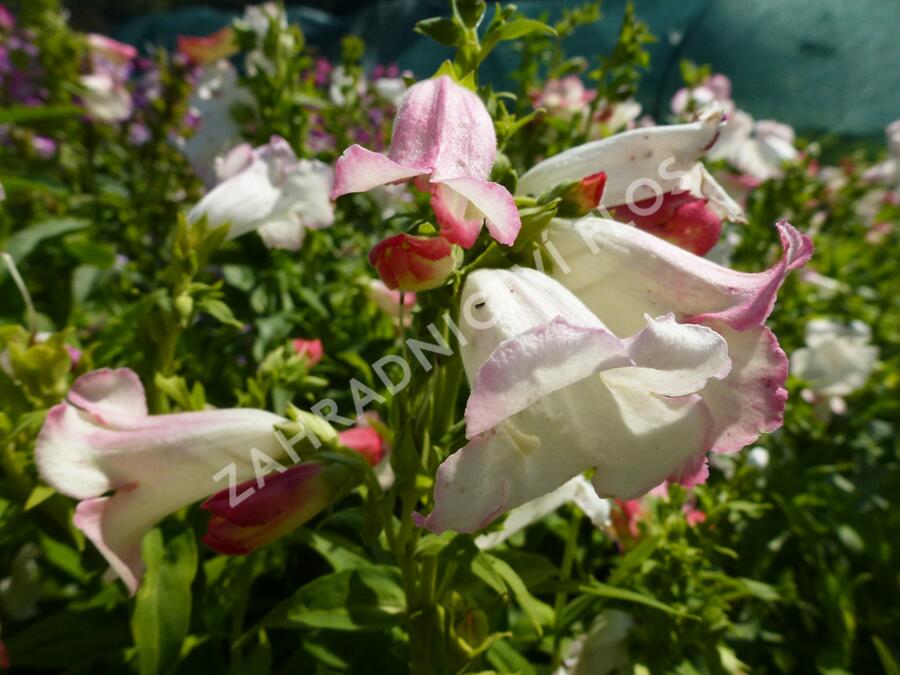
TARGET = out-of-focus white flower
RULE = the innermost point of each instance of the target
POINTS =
(888, 172)
(269, 190)
(758, 457)
(105, 98)
(565, 97)
(341, 89)
(391, 89)
(836, 361)
(716, 88)
(602, 649)
(216, 93)
(756, 148)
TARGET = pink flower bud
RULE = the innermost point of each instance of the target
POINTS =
(681, 219)
(366, 441)
(311, 349)
(409, 263)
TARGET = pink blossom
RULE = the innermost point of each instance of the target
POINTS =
(444, 138)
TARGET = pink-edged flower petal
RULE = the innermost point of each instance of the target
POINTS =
(488, 202)
(109, 394)
(750, 401)
(360, 170)
(622, 273)
(524, 369)
(642, 439)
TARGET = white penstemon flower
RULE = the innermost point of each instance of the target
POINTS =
(836, 361)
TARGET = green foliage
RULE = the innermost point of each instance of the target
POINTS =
(794, 567)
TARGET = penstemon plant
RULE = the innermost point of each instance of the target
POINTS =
(313, 367)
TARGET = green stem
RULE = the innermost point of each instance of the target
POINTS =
(565, 574)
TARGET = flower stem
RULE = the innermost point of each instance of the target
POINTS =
(565, 574)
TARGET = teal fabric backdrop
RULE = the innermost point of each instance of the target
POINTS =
(820, 65)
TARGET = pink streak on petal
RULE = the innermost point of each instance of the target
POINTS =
(108, 393)
(526, 368)
(450, 211)
(360, 170)
(495, 202)
(91, 517)
(756, 292)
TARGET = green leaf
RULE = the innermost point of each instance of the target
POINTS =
(512, 30)
(440, 29)
(68, 641)
(888, 662)
(504, 657)
(62, 557)
(162, 612)
(39, 495)
(219, 311)
(21, 114)
(23, 242)
(613, 593)
(539, 612)
(365, 598)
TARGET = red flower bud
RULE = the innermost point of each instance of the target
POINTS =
(586, 194)
(311, 349)
(408, 263)
(681, 219)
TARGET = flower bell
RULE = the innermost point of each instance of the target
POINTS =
(410, 263)
(102, 440)
(654, 177)
(269, 190)
(444, 138)
(574, 373)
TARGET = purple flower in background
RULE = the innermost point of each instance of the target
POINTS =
(43, 147)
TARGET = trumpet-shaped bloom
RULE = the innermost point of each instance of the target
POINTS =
(269, 190)
(564, 96)
(755, 148)
(409, 263)
(642, 164)
(443, 137)
(564, 384)
(102, 440)
(621, 273)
